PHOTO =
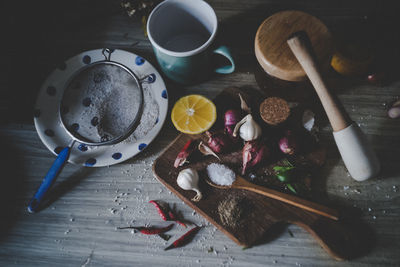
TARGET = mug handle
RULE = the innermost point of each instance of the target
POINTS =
(225, 51)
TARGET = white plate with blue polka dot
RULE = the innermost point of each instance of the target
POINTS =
(54, 136)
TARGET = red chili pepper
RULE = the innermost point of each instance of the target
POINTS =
(186, 151)
(173, 218)
(183, 240)
(160, 210)
(149, 230)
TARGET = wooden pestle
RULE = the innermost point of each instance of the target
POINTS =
(357, 154)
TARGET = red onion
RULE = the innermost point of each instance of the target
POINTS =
(253, 153)
(287, 144)
(231, 118)
(219, 142)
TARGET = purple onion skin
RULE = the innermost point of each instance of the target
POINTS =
(232, 117)
(287, 144)
(253, 153)
(219, 142)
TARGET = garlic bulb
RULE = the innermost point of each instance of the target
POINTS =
(248, 129)
(188, 179)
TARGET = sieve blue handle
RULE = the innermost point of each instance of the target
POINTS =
(49, 179)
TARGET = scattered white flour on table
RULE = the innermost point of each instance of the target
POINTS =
(220, 174)
(101, 102)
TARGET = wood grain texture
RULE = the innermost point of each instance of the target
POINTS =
(36, 36)
(272, 51)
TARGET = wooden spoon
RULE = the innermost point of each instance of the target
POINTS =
(241, 183)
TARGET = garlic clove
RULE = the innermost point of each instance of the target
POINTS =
(206, 150)
(240, 123)
(243, 105)
(308, 120)
(188, 179)
(248, 129)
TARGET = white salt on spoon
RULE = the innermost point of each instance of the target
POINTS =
(220, 174)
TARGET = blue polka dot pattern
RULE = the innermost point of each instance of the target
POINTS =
(90, 162)
(164, 94)
(36, 113)
(58, 149)
(86, 59)
(86, 101)
(51, 91)
(49, 132)
(83, 147)
(116, 155)
(74, 127)
(94, 121)
(139, 61)
(142, 146)
(62, 66)
(151, 78)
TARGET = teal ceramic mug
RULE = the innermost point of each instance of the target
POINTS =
(181, 33)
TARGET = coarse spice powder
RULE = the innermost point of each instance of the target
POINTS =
(231, 210)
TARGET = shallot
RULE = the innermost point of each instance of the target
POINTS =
(219, 142)
(188, 179)
(287, 144)
(394, 111)
(231, 118)
(253, 153)
(185, 153)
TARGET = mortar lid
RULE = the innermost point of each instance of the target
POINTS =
(272, 51)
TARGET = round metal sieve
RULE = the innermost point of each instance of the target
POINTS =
(101, 103)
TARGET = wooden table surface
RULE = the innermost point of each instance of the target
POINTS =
(79, 226)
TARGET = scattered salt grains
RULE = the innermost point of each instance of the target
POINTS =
(221, 174)
(357, 191)
(395, 189)
(71, 219)
(113, 211)
(67, 232)
(369, 209)
(374, 217)
(346, 187)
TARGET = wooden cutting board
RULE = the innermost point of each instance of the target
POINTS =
(261, 213)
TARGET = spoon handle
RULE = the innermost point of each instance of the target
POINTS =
(241, 183)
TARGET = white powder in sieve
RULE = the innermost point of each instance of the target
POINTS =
(103, 101)
(149, 116)
(220, 174)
